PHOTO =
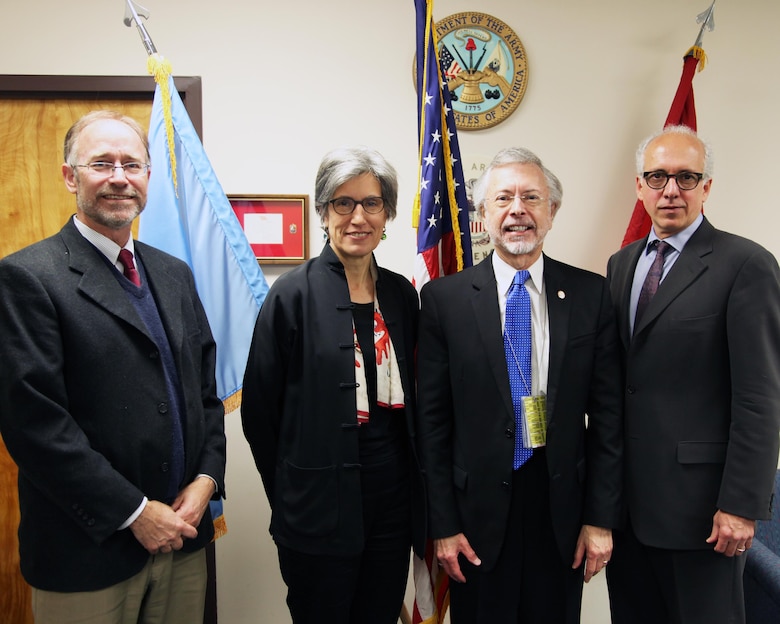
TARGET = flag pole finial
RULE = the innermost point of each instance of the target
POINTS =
(707, 20)
(132, 12)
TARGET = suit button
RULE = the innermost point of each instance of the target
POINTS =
(164, 467)
(154, 355)
(91, 522)
(509, 433)
(162, 408)
(505, 484)
(630, 389)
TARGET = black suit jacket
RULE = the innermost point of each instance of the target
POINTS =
(83, 406)
(702, 394)
(466, 423)
(299, 411)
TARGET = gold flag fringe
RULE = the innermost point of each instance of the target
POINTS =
(220, 527)
(699, 54)
(232, 402)
(160, 68)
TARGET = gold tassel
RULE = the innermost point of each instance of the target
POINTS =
(160, 68)
(699, 54)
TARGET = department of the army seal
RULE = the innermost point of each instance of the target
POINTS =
(485, 66)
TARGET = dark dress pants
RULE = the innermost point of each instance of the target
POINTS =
(657, 586)
(367, 588)
(530, 583)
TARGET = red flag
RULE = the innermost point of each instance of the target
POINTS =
(682, 113)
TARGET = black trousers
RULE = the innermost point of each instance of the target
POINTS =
(530, 583)
(656, 586)
(367, 588)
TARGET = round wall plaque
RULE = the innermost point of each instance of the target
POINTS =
(485, 66)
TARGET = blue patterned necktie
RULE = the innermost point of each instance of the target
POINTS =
(517, 348)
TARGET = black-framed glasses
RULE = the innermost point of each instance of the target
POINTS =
(531, 200)
(346, 205)
(686, 180)
(104, 168)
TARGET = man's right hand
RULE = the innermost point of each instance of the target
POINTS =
(160, 529)
(447, 551)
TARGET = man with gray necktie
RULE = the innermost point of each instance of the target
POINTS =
(513, 354)
(699, 320)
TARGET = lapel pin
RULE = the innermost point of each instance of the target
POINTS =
(561, 294)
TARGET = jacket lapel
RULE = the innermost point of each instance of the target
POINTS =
(97, 281)
(683, 273)
(487, 320)
(558, 310)
(624, 280)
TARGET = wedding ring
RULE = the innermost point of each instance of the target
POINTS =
(740, 550)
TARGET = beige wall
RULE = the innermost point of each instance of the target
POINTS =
(283, 82)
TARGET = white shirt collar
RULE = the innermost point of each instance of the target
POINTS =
(505, 274)
(104, 244)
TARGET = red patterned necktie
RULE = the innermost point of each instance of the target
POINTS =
(131, 273)
(653, 279)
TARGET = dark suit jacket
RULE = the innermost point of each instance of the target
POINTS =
(702, 394)
(299, 411)
(83, 406)
(466, 424)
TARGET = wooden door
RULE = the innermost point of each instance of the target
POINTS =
(36, 204)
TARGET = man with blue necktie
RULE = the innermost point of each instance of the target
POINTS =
(520, 413)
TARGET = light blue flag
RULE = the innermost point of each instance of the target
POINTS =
(196, 223)
(201, 220)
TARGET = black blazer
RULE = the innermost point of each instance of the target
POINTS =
(702, 394)
(299, 412)
(83, 406)
(466, 423)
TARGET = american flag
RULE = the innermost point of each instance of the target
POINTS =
(449, 66)
(441, 216)
(441, 206)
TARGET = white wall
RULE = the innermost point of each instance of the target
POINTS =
(283, 82)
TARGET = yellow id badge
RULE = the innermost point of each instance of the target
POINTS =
(535, 421)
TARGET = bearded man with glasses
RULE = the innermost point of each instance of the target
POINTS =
(108, 401)
(513, 353)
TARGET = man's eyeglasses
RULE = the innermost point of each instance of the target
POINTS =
(686, 180)
(530, 200)
(103, 168)
(345, 205)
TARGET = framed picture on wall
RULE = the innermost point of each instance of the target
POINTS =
(275, 225)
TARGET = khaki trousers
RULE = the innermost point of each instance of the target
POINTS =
(170, 589)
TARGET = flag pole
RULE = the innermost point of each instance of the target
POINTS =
(681, 112)
(161, 69)
(707, 19)
(131, 15)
